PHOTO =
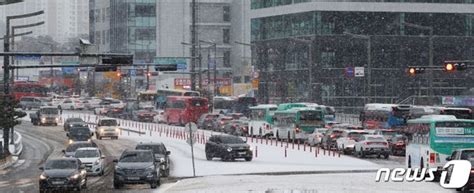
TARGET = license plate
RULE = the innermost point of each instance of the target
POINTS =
(242, 153)
(133, 178)
(58, 182)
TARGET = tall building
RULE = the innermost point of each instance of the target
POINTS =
(64, 19)
(306, 50)
(157, 28)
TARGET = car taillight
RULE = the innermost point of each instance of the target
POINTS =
(368, 143)
(244, 128)
(384, 143)
(234, 125)
(472, 171)
(222, 122)
(267, 126)
(432, 158)
(332, 136)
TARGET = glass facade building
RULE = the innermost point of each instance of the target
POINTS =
(133, 28)
(338, 41)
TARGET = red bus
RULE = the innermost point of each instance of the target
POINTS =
(31, 89)
(184, 109)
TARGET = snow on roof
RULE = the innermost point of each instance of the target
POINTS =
(379, 106)
(264, 106)
(435, 118)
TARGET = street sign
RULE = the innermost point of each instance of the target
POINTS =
(359, 72)
(190, 127)
(349, 72)
(28, 57)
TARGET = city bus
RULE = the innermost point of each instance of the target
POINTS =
(243, 104)
(297, 123)
(432, 138)
(180, 110)
(162, 94)
(384, 116)
(460, 113)
(261, 119)
(146, 99)
(27, 89)
(222, 104)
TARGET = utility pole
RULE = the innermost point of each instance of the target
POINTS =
(200, 68)
(193, 48)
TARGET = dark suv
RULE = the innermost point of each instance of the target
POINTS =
(71, 122)
(64, 173)
(161, 155)
(136, 167)
(79, 134)
(330, 137)
(227, 147)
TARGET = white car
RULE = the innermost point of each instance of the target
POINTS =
(316, 137)
(117, 103)
(348, 139)
(71, 104)
(159, 117)
(372, 145)
(93, 160)
(107, 127)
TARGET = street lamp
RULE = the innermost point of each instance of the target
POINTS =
(369, 61)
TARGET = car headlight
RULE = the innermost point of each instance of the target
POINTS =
(97, 162)
(71, 141)
(43, 119)
(150, 169)
(162, 160)
(117, 168)
(57, 118)
(75, 176)
(250, 148)
(117, 130)
(101, 130)
(89, 140)
(229, 149)
(43, 177)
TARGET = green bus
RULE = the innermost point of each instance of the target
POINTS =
(296, 123)
(286, 106)
(261, 121)
(432, 138)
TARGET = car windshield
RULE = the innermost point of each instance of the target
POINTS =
(232, 140)
(80, 131)
(375, 139)
(71, 120)
(108, 123)
(468, 155)
(137, 157)
(86, 153)
(49, 111)
(156, 149)
(60, 164)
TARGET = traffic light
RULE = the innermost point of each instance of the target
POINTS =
(451, 67)
(119, 74)
(117, 60)
(105, 68)
(166, 67)
(416, 70)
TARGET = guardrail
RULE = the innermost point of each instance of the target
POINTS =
(17, 148)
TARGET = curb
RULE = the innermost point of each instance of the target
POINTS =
(283, 173)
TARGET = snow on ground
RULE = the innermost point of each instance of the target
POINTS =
(315, 183)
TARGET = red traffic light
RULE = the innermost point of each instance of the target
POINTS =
(415, 70)
(412, 71)
(449, 67)
(119, 74)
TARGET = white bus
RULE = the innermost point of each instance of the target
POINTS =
(222, 104)
(261, 119)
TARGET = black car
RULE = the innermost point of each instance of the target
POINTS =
(136, 167)
(70, 122)
(79, 134)
(463, 154)
(63, 173)
(330, 137)
(228, 147)
(161, 155)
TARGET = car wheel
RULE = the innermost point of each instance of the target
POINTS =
(102, 172)
(167, 172)
(117, 185)
(409, 161)
(208, 157)
(386, 156)
(378, 156)
(362, 154)
(154, 185)
(248, 159)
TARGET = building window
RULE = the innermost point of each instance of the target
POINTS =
(226, 13)
(145, 34)
(145, 10)
(226, 34)
(227, 59)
